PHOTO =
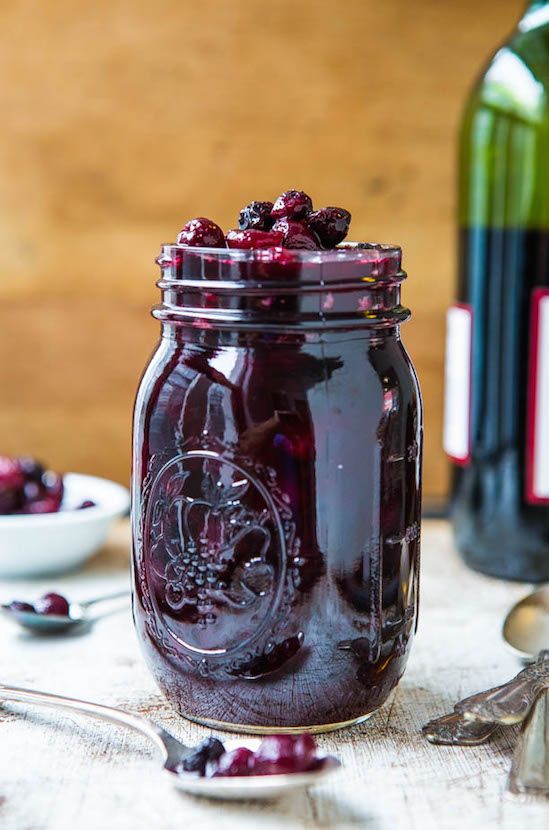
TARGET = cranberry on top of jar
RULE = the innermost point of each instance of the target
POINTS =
(288, 222)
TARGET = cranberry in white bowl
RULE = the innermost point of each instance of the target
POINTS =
(52, 523)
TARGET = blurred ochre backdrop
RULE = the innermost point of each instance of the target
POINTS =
(122, 119)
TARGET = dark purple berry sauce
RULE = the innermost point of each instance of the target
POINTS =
(48, 604)
(28, 488)
(24, 607)
(285, 753)
(289, 222)
(296, 234)
(276, 482)
(235, 763)
(202, 233)
(254, 239)
(330, 225)
(256, 216)
(276, 755)
(206, 753)
(292, 204)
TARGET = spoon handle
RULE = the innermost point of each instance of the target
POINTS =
(530, 769)
(454, 730)
(106, 598)
(162, 739)
(511, 702)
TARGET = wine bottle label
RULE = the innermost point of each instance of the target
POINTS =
(457, 383)
(537, 426)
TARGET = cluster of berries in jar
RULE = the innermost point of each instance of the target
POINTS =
(289, 222)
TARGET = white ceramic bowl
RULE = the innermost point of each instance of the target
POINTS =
(50, 543)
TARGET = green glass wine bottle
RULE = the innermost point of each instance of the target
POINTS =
(496, 427)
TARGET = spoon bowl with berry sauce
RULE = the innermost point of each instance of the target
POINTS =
(54, 614)
(275, 767)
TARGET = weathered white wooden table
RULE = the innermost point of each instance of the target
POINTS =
(59, 772)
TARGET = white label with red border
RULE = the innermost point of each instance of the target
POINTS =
(457, 383)
(537, 429)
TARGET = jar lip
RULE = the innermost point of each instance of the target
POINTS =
(281, 288)
(357, 253)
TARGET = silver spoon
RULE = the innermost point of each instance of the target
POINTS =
(526, 630)
(79, 615)
(253, 787)
(526, 626)
(476, 718)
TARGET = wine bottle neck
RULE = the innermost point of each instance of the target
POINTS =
(536, 14)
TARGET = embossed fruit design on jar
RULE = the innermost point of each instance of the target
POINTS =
(276, 475)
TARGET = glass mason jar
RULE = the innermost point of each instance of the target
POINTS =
(276, 487)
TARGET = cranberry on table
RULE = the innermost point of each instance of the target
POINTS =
(297, 235)
(293, 204)
(254, 239)
(235, 763)
(52, 603)
(256, 216)
(85, 504)
(330, 224)
(278, 754)
(202, 233)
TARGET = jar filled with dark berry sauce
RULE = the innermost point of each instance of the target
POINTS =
(276, 486)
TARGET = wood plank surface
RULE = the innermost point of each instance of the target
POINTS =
(58, 772)
(121, 120)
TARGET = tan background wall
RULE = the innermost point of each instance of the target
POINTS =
(121, 119)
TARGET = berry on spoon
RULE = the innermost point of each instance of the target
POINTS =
(237, 762)
(52, 603)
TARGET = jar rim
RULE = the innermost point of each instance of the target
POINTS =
(280, 288)
(357, 253)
